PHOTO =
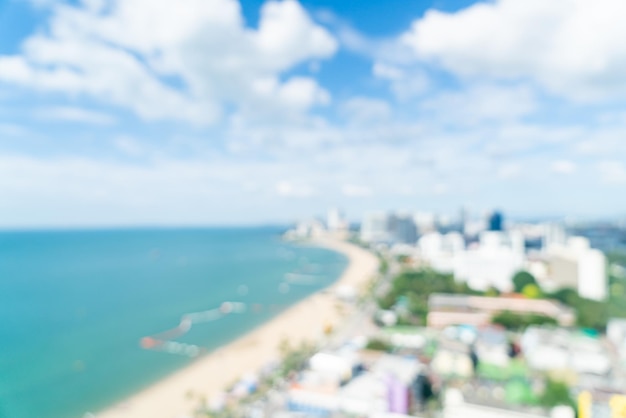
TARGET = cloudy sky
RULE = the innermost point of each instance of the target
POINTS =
(207, 112)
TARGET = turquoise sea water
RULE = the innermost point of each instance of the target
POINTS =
(74, 305)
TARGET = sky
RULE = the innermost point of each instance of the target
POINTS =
(238, 112)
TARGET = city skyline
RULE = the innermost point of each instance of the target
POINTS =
(259, 112)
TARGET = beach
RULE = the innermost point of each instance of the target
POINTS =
(179, 394)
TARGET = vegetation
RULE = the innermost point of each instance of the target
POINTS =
(523, 279)
(514, 321)
(383, 266)
(532, 291)
(589, 313)
(556, 393)
(617, 282)
(492, 292)
(378, 345)
(415, 286)
(618, 257)
(294, 358)
(515, 369)
(403, 258)
(595, 314)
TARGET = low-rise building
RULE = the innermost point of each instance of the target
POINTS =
(561, 349)
(451, 309)
(383, 388)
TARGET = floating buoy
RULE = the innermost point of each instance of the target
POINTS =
(148, 343)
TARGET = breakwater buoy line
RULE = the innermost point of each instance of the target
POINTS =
(165, 341)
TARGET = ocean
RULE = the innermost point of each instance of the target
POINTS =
(74, 306)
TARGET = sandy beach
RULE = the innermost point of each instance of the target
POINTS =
(209, 375)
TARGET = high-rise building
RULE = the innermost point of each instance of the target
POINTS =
(493, 262)
(376, 228)
(389, 228)
(462, 219)
(335, 220)
(426, 222)
(403, 229)
(553, 233)
(495, 221)
(578, 266)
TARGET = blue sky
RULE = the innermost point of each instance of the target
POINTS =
(210, 112)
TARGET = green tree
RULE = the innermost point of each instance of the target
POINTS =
(589, 313)
(294, 358)
(378, 345)
(531, 291)
(523, 279)
(514, 321)
(416, 286)
(492, 291)
(556, 393)
(383, 265)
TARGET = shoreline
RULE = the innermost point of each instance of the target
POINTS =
(211, 374)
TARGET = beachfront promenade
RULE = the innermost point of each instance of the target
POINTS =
(211, 374)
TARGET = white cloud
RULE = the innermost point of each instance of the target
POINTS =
(289, 189)
(355, 190)
(287, 35)
(393, 61)
(378, 49)
(75, 114)
(509, 171)
(572, 47)
(129, 146)
(406, 81)
(11, 129)
(200, 58)
(471, 141)
(366, 110)
(440, 189)
(612, 171)
(388, 71)
(563, 167)
(482, 103)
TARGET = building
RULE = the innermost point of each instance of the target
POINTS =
(561, 349)
(463, 218)
(577, 266)
(438, 250)
(450, 309)
(455, 406)
(553, 234)
(335, 221)
(403, 229)
(492, 263)
(434, 244)
(616, 332)
(376, 227)
(306, 229)
(425, 221)
(325, 388)
(495, 221)
(388, 228)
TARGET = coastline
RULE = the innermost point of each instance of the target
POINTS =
(211, 374)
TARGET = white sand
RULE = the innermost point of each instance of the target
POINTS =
(209, 375)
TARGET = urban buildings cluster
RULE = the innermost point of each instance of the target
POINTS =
(478, 366)
(487, 253)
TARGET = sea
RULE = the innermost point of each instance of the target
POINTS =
(75, 305)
